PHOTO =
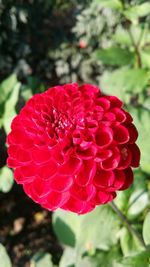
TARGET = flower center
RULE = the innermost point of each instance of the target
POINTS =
(61, 124)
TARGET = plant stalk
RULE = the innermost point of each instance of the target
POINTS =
(127, 224)
(136, 49)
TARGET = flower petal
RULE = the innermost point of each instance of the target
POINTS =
(71, 167)
(61, 183)
(85, 176)
(104, 178)
(135, 155)
(128, 180)
(74, 205)
(40, 154)
(47, 170)
(121, 134)
(83, 193)
(56, 200)
(104, 137)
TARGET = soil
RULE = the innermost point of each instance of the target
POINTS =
(26, 228)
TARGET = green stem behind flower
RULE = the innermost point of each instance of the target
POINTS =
(127, 224)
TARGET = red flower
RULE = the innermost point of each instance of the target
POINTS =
(72, 148)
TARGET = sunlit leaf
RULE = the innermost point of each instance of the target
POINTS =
(146, 229)
(129, 243)
(114, 4)
(4, 258)
(133, 12)
(124, 80)
(41, 260)
(6, 179)
(142, 121)
(121, 36)
(68, 258)
(106, 225)
(9, 107)
(138, 260)
(66, 226)
(122, 199)
(139, 200)
(145, 58)
(108, 258)
(6, 87)
(75, 230)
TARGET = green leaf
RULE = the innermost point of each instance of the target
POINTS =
(42, 260)
(97, 230)
(9, 108)
(139, 198)
(74, 230)
(6, 87)
(145, 58)
(66, 226)
(124, 80)
(99, 258)
(86, 262)
(26, 92)
(68, 258)
(146, 229)
(71, 259)
(122, 37)
(129, 243)
(6, 179)
(108, 258)
(114, 4)
(115, 56)
(138, 201)
(4, 258)
(138, 260)
(122, 199)
(142, 121)
(136, 11)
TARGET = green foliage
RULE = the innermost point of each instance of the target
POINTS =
(6, 86)
(6, 179)
(42, 259)
(124, 81)
(129, 243)
(9, 108)
(66, 226)
(138, 260)
(116, 4)
(146, 232)
(106, 226)
(4, 258)
(136, 11)
(115, 56)
(68, 258)
(138, 201)
(142, 118)
(76, 230)
(9, 92)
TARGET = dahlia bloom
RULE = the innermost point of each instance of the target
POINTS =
(72, 148)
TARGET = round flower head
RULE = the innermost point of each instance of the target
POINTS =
(72, 148)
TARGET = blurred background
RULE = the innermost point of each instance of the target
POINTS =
(49, 42)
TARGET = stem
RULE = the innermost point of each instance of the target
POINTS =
(123, 4)
(127, 224)
(136, 48)
(137, 197)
